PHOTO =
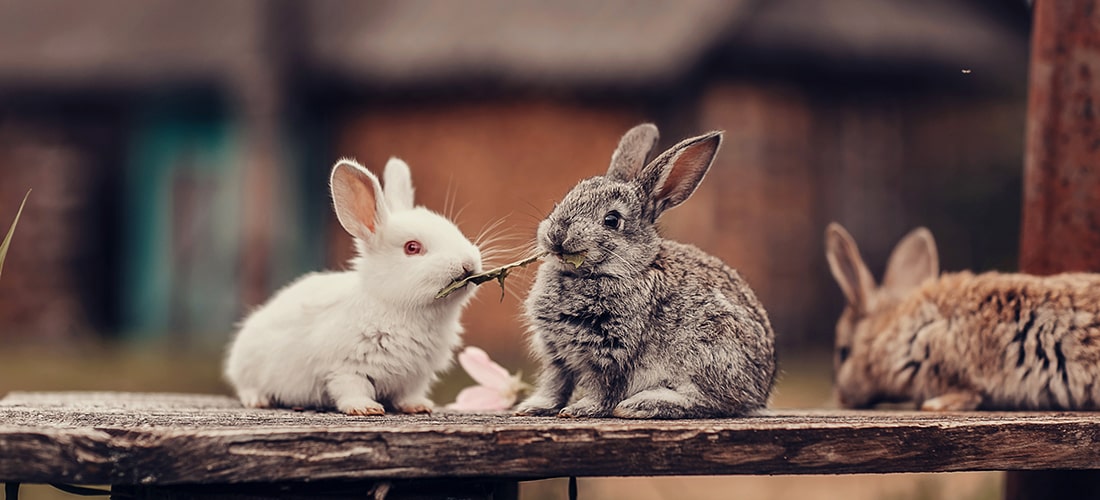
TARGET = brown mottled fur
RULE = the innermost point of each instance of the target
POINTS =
(962, 341)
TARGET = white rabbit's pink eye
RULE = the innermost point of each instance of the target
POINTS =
(413, 247)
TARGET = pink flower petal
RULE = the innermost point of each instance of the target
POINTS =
(480, 398)
(483, 370)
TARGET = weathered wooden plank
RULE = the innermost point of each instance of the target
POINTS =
(1060, 230)
(174, 439)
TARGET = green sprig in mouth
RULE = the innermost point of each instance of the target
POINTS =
(499, 274)
(576, 259)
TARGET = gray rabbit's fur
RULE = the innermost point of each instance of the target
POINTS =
(644, 327)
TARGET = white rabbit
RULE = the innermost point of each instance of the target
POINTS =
(371, 338)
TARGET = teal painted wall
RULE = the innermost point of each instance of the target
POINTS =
(182, 218)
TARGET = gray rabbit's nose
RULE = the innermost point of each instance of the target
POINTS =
(560, 242)
(555, 236)
(569, 246)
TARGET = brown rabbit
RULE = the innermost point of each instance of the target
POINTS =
(962, 341)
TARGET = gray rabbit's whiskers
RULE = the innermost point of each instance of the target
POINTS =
(630, 265)
(538, 215)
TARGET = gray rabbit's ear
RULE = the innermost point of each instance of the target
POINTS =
(913, 260)
(635, 149)
(399, 187)
(673, 176)
(847, 265)
(357, 198)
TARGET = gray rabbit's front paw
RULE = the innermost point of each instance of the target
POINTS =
(536, 406)
(585, 408)
(654, 403)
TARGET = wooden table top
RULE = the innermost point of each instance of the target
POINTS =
(131, 438)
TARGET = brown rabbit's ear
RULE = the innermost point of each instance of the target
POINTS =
(357, 198)
(914, 260)
(673, 176)
(847, 265)
(635, 149)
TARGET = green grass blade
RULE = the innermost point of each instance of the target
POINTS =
(7, 239)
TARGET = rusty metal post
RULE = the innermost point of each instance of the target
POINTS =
(1061, 219)
(1061, 215)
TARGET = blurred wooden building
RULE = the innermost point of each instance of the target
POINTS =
(179, 149)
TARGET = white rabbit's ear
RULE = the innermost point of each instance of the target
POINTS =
(672, 177)
(635, 149)
(914, 260)
(357, 197)
(399, 186)
(847, 265)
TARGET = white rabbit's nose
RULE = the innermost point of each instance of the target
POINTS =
(472, 261)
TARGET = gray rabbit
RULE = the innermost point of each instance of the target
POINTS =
(641, 326)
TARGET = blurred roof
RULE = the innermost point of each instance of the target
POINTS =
(640, 43)
(892, 35)
(628, 43)
(69, 43)
(570, 41)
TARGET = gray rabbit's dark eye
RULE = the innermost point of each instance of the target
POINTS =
(613, 220)
(842, 352)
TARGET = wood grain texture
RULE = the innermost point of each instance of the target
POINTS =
(158, 439)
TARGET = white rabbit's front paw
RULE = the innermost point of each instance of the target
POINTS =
(253, 399)
(361, 407)
(414, 406)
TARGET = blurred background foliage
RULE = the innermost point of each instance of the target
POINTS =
(179, 152)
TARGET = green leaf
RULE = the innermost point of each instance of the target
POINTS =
(7, 239)
(574, 258)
